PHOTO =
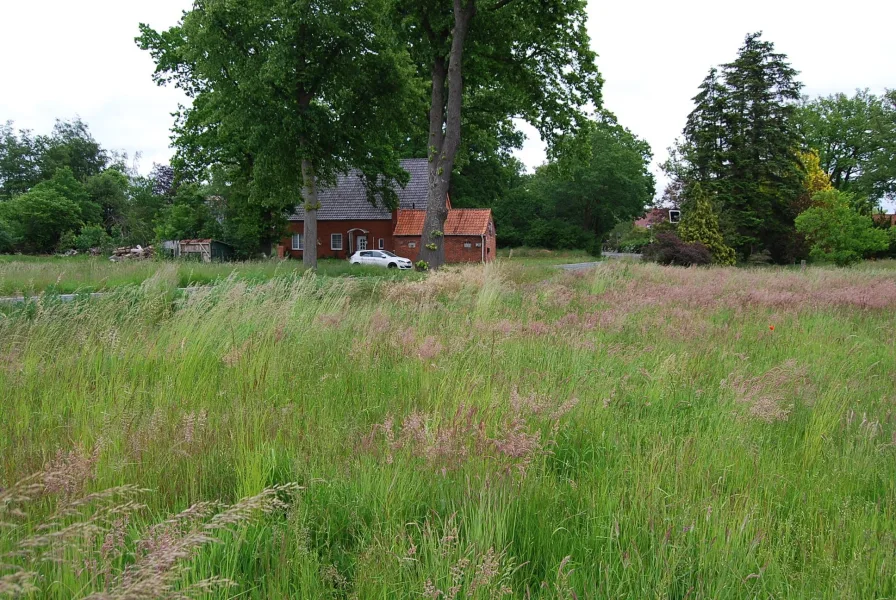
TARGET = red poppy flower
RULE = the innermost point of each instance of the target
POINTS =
(772, 327)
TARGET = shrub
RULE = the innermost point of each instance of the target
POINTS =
(700, 224)
(7, 238)
(668, 249)
(41, 217)
(92, 236)
(836, 232)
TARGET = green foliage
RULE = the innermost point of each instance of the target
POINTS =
(856, 140)
(109, 191)
(600, 179)
(699, 223)
(92, 236)
(7, 236)
(628, 237)
(431, 246)
(71, 146)
(39, 218)
(191, 215)
(64, 183)
(19, 155)
(741, 143)
(836, 232)
(422, 265)
(290, 93)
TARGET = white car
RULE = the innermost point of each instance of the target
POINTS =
(380, 258)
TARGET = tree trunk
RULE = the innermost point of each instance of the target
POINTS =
(444, 135)
(309, 195)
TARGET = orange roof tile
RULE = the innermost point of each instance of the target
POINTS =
(460, 221)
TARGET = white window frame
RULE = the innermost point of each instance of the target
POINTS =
(468, 244)
(333, 237)
(360, 241)
(412, 244)
(675, 216)
(301, 240)
(381, 245)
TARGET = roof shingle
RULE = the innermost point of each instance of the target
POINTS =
(348, 200)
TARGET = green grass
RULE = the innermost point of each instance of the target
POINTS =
(628, 432)
(30, 275)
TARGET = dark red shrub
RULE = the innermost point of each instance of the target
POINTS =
(668, 249)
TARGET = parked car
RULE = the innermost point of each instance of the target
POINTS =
(380, 258)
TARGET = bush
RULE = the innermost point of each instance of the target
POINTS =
(7, 238)
(41, 218)
(668, 249)
(836, 232)
(92, 236)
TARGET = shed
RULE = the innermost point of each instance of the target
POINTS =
(206, 250)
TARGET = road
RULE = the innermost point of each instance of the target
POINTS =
(591, 265)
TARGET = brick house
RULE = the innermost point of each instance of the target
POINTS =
(348, 222)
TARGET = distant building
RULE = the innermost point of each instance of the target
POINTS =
(206, 250)
(885, 219)
(659, 215)
(348, 222)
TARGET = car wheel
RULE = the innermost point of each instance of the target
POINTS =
(356, 263)
(393, 266)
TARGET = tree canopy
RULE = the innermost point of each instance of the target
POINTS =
(855, 138)
(291, 93)
(495, 60)
(740, 143)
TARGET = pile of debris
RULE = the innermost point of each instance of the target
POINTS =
(91, 251)
(128, 252)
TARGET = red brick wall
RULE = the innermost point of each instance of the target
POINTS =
(455, 251)
(377, 229)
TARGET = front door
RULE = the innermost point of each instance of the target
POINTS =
(361, 243)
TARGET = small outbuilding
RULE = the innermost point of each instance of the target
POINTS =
(205, 250)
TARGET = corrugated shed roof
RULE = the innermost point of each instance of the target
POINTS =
(348, 200)
(460, 221)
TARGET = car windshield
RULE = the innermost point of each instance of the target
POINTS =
(387, 253)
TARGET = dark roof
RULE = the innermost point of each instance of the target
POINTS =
(460, 221)
(348, 200)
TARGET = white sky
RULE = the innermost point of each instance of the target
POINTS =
(60, 58)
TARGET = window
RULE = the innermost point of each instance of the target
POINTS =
(298, 241)
(381, 244)
(412, 244)
(367, 255)
(479, 244)
(468, 245)
(336, 241)
(674, 216)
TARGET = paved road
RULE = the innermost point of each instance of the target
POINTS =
(591, 265)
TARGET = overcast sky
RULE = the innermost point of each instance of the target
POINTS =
(63, 58)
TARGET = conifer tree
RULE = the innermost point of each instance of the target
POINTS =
(741, 144)
(699, 223)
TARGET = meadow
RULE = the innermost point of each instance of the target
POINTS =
(630, 431)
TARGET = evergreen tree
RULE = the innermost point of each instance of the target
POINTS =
(700, 224)
(741, 144)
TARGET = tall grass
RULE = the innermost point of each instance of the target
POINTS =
(26, 275)
(633, 431)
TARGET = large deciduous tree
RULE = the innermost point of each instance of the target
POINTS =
(601, 177)
(855, 138)
(741, 143)
(495, 60)
(290, 92)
